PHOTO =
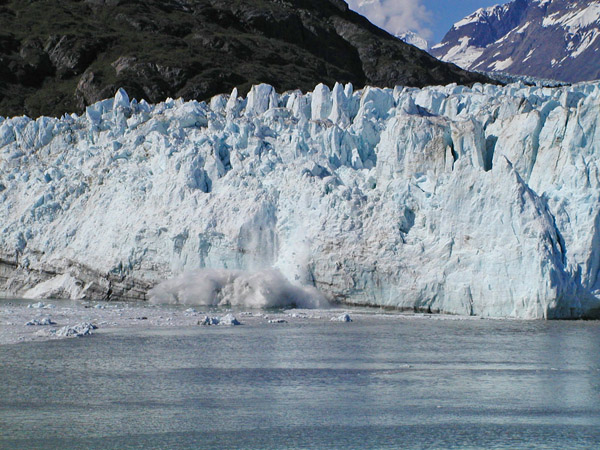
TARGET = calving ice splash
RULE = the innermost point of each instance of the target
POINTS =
(480, 201)
(222, 287)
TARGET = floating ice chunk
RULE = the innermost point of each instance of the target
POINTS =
(342, 318)
(278, 321)
(229, 319)
(41, 322)
(40, 305)
(209, 321)
(82, 329)
(298, 316)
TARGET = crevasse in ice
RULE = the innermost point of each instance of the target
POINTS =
(481, 200)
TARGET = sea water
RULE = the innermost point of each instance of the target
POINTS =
(375, 383)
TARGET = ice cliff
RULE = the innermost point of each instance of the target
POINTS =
(481, 200)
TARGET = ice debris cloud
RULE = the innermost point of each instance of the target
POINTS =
(480, 200)
(222, 287)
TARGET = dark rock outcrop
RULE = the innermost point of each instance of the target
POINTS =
(58, 57)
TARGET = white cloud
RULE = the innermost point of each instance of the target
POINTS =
(396, 16)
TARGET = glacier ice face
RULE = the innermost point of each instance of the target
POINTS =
(481, 200)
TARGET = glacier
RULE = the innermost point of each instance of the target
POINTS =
(479, 200)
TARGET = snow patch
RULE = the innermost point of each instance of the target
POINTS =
(413, 38)
(576, 20)
(586, 42)
(501, 65)
(463, 54)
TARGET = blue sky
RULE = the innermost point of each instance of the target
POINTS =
(430, 19)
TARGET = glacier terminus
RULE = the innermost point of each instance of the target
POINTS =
(479, 200)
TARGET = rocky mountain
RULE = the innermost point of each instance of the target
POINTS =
(553, 39)
(480, 201)
(58, 57)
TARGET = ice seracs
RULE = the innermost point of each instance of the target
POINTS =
(480, 201)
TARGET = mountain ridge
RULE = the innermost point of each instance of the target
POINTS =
(552, 39)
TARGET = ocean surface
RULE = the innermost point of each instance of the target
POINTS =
(377, 383)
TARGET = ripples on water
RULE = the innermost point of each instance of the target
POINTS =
(373, 383)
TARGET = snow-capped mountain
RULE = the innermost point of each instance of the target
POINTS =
(412, 38)
(482, 200)
(554, 39)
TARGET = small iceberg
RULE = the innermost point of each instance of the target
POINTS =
(342, 318)
(228, 319)
(82, 329)
(41, 322)
(40, 305)
(207, 321)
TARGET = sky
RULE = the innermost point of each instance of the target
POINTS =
(431, 19)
